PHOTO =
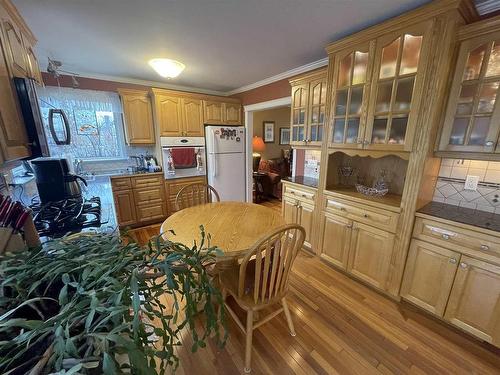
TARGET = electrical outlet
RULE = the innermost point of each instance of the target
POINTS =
(471, 182)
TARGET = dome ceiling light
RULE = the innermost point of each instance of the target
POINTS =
(167, 68)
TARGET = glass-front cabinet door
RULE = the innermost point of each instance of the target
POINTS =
(316, 111)
(299, 113)
(472, 120)
(348, 111)
(393, 97)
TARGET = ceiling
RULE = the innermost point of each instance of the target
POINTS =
(225, 44)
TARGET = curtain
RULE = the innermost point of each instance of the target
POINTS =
(82, 99)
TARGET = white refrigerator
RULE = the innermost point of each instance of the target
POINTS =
(226, 163)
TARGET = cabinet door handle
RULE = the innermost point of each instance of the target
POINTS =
(365, 216)
(342, 208)
(453, 261)
(464, 265)
(484, 247)
(445, 236)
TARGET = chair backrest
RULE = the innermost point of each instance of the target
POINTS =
(194, 195)
(273, 257)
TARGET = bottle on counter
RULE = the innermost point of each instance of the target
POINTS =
(170, 163)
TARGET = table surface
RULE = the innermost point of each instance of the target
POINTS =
(233, 226)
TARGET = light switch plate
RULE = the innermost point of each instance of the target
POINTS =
(471, 182)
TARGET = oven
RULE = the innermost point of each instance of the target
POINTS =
(183, 156)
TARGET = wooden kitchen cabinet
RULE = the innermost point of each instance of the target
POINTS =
(168, 116)
(138, 116)
(472, 120)
(173, 186)
(221, 113)
(33, 66)
(125, 207)
(192, 113)
(305, 217)
(308, 109)
(474, 303)
(14, 48)
(232, 114)
(289, 210)
(429, 274)
(336, 237)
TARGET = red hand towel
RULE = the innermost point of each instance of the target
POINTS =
(184, 157)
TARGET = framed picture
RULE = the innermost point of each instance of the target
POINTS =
(284, 136)
(268, 131)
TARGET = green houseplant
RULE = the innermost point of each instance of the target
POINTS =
(100, 304)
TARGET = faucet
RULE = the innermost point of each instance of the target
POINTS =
(78, 166)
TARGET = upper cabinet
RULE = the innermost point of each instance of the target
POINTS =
(375, 88)
(138, 117)
(472, 120)
(221, 113)
(192, 112)
(168, 115)
(308, 112)
(15, 51)
(232, 113)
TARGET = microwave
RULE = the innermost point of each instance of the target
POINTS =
(183, 156)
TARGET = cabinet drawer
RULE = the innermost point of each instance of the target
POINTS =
(147, 213)
(173, 187)
(147, 181)
(376, 217)
(300, 194)
(148, 195)
(456, 238)
(121, 183)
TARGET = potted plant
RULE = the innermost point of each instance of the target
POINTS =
(96, 303)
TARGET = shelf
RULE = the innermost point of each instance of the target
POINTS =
(391, 202)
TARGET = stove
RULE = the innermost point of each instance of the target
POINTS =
(55, 219)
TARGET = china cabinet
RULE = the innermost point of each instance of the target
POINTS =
(472, 120)
(308, 109)
(138, 116)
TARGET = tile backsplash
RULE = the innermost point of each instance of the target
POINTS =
(450, 185)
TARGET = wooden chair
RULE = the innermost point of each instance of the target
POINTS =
(194, 195)
(261, 280)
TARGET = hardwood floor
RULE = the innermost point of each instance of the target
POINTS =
(343, 327)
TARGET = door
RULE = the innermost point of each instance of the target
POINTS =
(429, 274)
(13, 137)
(352, 73)
(125, 207)
(474, 303)
(316, 111)
(168, 115)
(305, 213)
(335, 239)
(396, 89)
(289, 210)
(138, 117)
(14, 49)
(472, 121)
(299, 114)
(193, 117)
(232, 114)
(370, 254)
(213, 112)
(226, 173)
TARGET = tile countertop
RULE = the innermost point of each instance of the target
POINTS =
(476, 218)
(302, 180)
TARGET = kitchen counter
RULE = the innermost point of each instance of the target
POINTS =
(131, 174)
(469, 216)
(302, 180)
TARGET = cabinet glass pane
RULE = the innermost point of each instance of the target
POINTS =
(345, 71)
(314, 132)
(338, 130)
(323, 93)
(411, 54)
(341, 102)
(316, 94)
(389, 59)
(458, 131)
(467, 94)
(487, 97)
(302, 98)
(473, 66)
(356, 100)
(360, 65)
(322, 115)
(352, 130)
(302, 116)
(296, 116)
(296, 98)
(493, 68)
(315, 115)
(404, 93)
(379, 129)
(295, 133)
(384, 93)
(301, 133)
(320, 133)
(479, 130)
(398, 130)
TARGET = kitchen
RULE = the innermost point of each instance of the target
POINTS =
(395, 181)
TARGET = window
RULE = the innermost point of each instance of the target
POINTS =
(95, 119)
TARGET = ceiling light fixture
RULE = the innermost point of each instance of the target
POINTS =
(166, 67)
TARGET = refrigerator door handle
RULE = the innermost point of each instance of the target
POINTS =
(214, 155)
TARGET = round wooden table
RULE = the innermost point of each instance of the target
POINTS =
(233, 226)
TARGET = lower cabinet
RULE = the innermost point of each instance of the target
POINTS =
(290, 210)
(172, 187)
(299, 211)
(370, 254)
(474, 303)
(305, 215)
(429, 274)
(125, 207)
(336, 238)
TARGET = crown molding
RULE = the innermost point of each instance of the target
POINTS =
(142, 82)
(281, 102)
(278, 77)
